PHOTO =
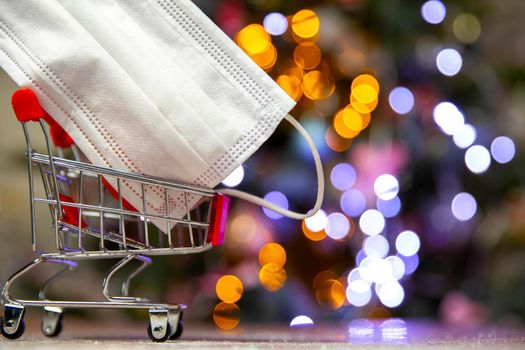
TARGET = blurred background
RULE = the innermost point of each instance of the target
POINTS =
(418, 111)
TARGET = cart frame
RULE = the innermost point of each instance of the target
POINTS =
(76, 240)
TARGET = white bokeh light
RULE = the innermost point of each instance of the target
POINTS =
(376, 246)
(502, 149)
(448, 117)
(386, 187)
(317, 222)
(337, 226)
(234, 178)
(477, 159)
(301, 321)
(375, 270)
(465, 136)
(433, 11)
(449, 62)
(372, 222)
(358, 293)
(354, 275)
(407, 243)
(401, 100)
(397, 265)
(275, 23)
(464, 206)
(391, 294)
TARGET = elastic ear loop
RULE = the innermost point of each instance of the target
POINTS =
(285, 212)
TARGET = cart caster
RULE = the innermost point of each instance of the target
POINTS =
(52, 321)
(12, 326)
(176, 324)
(159, 329)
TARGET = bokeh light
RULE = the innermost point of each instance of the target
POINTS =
(337, 226)
(235, 177)
(465, 136)
(433, 11)
(311, 235)
(275, 23)
(229, 288)
(466, 28)
(317, 85)
(448, 117)
(449, 62)
(353, 202)
(354, 120)
(391, 294)
(335, 141)
(301, 321)
(401, 100)
(272, 253)
(502, 149)
(477, 159)
(307, 55)
(376, 246)
(398, 266)
(330, 293)
(411, 263)
(291, 85)
(272, 277)
(305, 24)
(343, 176)
(341, 128)
(322, 277)
(278, 199)
(243, 228)
(375, 270)
(372, 222)
(254, 39)
(386, 187)
(226, 316)
(317, 222)
(389, 208)
(464, 206)
(407, 243)
(358, 293)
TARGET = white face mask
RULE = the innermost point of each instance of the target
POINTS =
(149, 86)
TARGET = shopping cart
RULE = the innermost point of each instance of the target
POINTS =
(91, 220)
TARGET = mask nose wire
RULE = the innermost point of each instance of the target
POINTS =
(285, 212)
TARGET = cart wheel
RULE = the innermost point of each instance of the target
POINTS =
(49, 332)
(178, 332)
(159, 340)
(17, 334)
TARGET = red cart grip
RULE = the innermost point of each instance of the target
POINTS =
(28, 109)
(220, 204)
(26, 106)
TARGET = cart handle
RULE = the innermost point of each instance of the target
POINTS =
(28, 109)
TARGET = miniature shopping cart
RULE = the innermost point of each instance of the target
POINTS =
(91, 220)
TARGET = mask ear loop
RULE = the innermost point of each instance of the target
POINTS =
(285, 212)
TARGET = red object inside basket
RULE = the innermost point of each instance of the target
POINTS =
(127, 205)
(220, 205)
(70, 215)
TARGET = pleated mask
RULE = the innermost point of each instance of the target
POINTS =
(147, 86)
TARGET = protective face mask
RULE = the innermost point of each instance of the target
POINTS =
(149, 86)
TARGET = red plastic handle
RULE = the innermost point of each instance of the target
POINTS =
(28, 109)
(220, 204)
(26, 106)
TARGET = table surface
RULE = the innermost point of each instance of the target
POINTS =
(357, 334)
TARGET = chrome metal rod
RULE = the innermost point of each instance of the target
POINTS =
(140, 178)
(109, 275)
(125, 286)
